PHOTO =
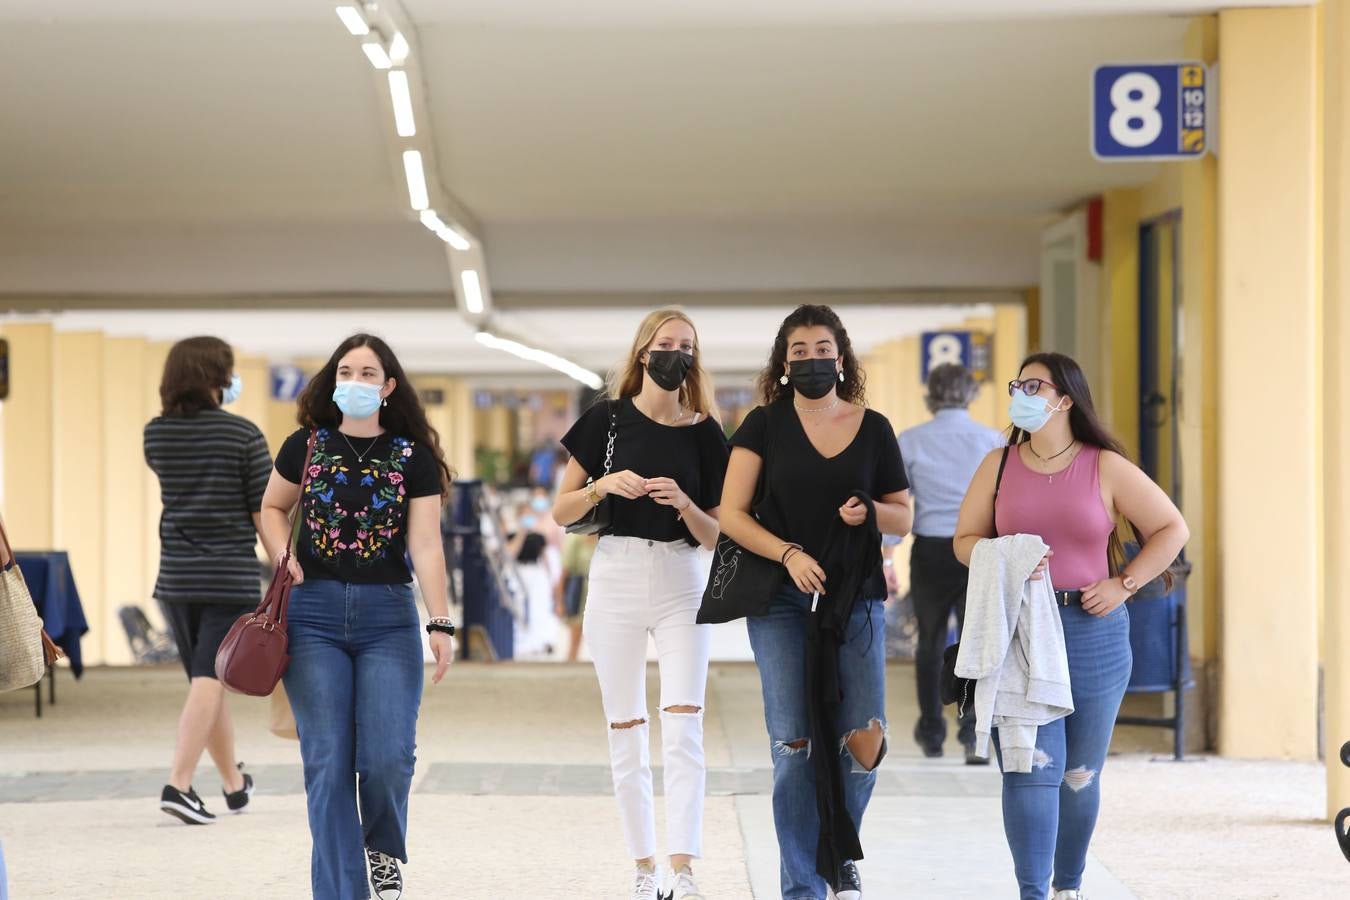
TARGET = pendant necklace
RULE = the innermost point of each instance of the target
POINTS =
(1050, 478)
(361, 457)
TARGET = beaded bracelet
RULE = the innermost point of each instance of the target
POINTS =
(441, 624)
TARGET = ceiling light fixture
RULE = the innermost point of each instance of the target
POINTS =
(473, 291)
(401, 95)
(417, 180)
(542, 357)
(351, 17)
(374, 51)
(399, 49)
(433, 222)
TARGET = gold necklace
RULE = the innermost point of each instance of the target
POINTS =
(683, 413)
(816, 409)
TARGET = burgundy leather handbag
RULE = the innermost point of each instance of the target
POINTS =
(253, 656)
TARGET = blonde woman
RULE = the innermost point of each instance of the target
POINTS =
(665, 478)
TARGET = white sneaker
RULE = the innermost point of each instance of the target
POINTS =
(1068, 895)
(680, 885)
(646, 885)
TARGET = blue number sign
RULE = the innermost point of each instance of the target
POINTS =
(1148, 112)
(287, 382)
(964, 348)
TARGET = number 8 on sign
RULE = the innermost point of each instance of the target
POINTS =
(1136, 121)
(944, 349)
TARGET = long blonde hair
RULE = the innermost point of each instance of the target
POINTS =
(626, 379)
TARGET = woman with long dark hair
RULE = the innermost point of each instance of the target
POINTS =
(665, 459)
(212, 467)
(1067, 480)
(819, 451)
(373, 493)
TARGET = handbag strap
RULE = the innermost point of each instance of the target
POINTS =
(9, 551)
(299, 515)
(613, 433)
(998, 482)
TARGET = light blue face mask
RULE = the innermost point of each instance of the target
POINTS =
(1031, 413)
(528, 522)
(540, 504)
(231, 393)
(356, 399)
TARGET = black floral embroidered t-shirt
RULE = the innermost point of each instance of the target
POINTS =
(356, 503)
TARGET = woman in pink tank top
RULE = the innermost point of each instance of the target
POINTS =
(1067, 480)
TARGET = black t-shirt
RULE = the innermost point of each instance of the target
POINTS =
(804, 490)
(356, 510)
(695, 456)
(531, 548)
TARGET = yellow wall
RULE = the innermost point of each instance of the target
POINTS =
(1336, 337)
(1120, 316)
(1270, 487)
(28, 436)
(125, 475)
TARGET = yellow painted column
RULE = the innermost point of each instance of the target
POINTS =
(1199, 373)
(1268, 478)
(1012, 331)
(124, 473)
(153, 356)
(1115, 382)
(28, 436)
(1336, 334)
(80, 476)
(252, 403)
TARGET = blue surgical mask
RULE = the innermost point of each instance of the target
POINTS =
(1031, 413)
(540, 504)
(232, 392)
(356, 399)
(527, 522)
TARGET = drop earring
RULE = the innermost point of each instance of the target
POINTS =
(841, 377)
(384, 402)
(783, 381)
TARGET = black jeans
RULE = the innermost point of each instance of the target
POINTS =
(937, 582)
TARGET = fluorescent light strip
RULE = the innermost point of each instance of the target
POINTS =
(417, 180)
(401, 96)
(443, 231)
(399, 49)
(351, 17)
(473, 291)
(374, 51)
(543, 357)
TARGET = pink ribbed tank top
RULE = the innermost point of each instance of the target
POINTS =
(1065, 510)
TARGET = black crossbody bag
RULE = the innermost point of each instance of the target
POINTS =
(600, 516)
(742, 583)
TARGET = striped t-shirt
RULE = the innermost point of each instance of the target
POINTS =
(212, 469)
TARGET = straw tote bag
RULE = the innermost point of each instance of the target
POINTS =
(25, 650)
(253, 656)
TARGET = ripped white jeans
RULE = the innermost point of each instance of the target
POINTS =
(639, 587)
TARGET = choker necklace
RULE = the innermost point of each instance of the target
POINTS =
(816, 409)
(1072, 441)
(360, 457)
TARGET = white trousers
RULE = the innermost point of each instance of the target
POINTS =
(640, 587)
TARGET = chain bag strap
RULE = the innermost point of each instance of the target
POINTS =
(600, 516)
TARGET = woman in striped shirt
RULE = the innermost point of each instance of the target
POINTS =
(212, 467)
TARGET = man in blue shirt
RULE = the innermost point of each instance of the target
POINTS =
(940, 458)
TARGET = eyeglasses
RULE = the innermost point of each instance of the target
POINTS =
(1031, 386)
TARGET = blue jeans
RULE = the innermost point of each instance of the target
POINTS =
(779, 642)
(355, 684)
(1049, 813)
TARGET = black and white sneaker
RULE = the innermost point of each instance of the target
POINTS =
(850, 885)
(239, 799)
(188, 807)
(385, 876)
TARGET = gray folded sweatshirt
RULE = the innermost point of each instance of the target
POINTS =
(1012, 646)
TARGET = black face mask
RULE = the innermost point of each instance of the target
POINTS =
(669, 368)
(813, 378)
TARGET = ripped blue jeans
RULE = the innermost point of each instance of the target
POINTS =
(1050, 812)
(779, 643)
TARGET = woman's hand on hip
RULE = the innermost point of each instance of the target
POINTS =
(806, 572)
(1104, 597)
(627, 484)
(443, 648)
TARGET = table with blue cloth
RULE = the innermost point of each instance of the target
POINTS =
(52, 585)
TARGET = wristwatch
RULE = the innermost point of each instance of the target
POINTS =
(1130, 584)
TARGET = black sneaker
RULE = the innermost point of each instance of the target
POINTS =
(188, 807)
(931, 748)
(973, 758)
(385, 875)
(850, 885)
(239, 799)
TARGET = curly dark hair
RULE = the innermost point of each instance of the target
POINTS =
(402, 415)
(853, 388)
